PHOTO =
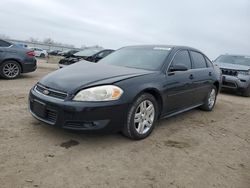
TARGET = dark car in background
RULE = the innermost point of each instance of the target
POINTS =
(92, 55)
(15, 60)
(127, 91)
(236, 72)
(67, 53)
(54, 52)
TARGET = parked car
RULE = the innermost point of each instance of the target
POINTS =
(22, 45)
(92, 55)
(127, 91)
(54, 52)
(236, 72)
(15, 60)
(40, 52)
(68, 53)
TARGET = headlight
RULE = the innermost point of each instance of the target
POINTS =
(244, 72)
(99, 93)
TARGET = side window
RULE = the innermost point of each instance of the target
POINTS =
(108, 52)
(182, 57)
(4, 43)
(209, 63)
(198, 60)
(100, 55)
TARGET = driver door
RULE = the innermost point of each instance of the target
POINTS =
(178, 84)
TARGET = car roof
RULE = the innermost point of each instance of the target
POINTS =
(165, 46)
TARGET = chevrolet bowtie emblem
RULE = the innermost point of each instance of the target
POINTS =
(46, 92)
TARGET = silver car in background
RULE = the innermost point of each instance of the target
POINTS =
(235, 72)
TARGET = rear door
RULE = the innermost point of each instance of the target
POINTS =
(178, 84)
(202, 77)
(3, 49)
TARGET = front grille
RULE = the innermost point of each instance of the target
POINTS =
(79, 125)
(46, 114)
(229, 72)
(229, 84)
(51, 115)
(50, 92)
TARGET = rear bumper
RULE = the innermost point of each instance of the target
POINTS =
(29, 66)
(83, 116)
(235, 83)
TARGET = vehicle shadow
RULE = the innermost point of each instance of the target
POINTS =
(166, 126)
(21, 77)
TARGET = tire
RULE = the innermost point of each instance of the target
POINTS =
(146, 119)
(246, 93)
(42, 55)
(10, 70)
(210, 100)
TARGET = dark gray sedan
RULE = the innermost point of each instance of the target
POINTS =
(236, 72)
(15, 60)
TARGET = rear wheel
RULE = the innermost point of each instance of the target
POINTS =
(141, 117)
(246, 93)
(210, 100)
(42, 55)
(10, 69)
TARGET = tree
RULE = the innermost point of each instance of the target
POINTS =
(48, 41)
(3, 36)
(31, 39)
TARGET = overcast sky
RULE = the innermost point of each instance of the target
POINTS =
(213, 26)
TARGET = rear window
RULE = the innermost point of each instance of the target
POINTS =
(4, 43)
(209, 63)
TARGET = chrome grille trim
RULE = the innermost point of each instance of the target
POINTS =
(52, 93)
(229, 72)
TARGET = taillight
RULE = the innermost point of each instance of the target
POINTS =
(31, 53)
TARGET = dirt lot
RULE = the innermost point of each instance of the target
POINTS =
(195, 149)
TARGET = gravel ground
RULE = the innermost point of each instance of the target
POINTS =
(194, 149)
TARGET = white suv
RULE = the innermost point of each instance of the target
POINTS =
(40, 52)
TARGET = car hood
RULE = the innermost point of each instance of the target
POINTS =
(85, 74)
(233, 66)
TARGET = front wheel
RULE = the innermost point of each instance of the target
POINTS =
(210, 100)
(141, 117)
(42, 55)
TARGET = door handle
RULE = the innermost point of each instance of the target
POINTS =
(191, 77)
(210, 74)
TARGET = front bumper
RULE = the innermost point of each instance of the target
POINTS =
(85, 116)
(240, 82)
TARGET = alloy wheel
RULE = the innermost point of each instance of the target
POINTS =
(144, 117)
(212, 98)
(11, 70)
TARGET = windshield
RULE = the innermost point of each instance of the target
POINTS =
(149, 58)
(88, 52)
(234, 59)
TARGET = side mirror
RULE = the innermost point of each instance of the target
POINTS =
(178, 67)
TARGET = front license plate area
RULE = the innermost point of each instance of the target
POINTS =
(223, 78)
(39, 109)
